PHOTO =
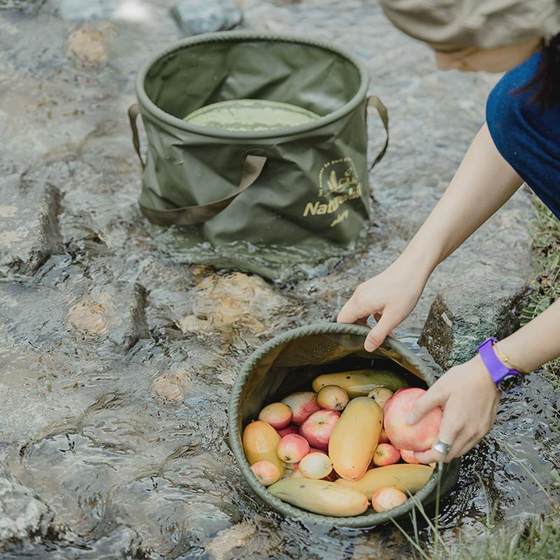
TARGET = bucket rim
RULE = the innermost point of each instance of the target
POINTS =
(239, 36)
(368, 520)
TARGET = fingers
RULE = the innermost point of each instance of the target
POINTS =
(377, 334)
(459, 435)
(355, 308)
(450, 430)
(428, 401)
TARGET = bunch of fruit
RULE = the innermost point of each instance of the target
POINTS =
(343, 445)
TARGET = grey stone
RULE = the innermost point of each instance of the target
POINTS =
(22, 515)
(29, 228)
(456, 325)
(480, 291)
(116, 312)
(26, 6)
(204, 16)
(127, 451)
(81, 10)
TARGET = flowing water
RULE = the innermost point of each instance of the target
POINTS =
(117, 360)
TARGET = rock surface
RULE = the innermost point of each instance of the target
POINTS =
(118, 361)
(29, 228)
(22, 515)
(206, 16)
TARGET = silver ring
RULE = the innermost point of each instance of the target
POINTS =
(441, 447)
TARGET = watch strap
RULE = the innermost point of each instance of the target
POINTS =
(496, 368)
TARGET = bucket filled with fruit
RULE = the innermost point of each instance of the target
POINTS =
(318, 427)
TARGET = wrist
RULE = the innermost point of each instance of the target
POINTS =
(514, 356)
(498, 370)
(417, 265)
(486, 381)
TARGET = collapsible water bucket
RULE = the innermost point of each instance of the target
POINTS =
(289, 363)
(297, 188)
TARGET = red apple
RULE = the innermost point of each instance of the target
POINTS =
(383, 437)
(291, 429)
(386, 454)
(318, 427)
(277, 414)
(292, 448)
(303, 405)
(417, 437)
(387, 498)
(267, 473)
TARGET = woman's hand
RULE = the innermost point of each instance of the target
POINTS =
(469, 399)
(389, 297)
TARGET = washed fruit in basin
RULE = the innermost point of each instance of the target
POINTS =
(407, 478)
(278, 415)
(260, 441)
(303, 405)
(386, 454)
(361, 382)
(292, 448)
(317, 429)
(315, 465)
(380, 395)
(332, 397)
(385, 499)
(267, 473)
(320, 496)
(355, 438)
(416, 437)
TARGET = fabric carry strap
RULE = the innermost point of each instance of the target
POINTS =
(377, 104)
(133, 112)
(190, 215)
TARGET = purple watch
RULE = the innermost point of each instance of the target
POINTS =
(496, 368)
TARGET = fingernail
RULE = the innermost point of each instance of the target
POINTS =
(368, 347)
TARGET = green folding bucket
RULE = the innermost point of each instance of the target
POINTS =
(288, 363)
(258, 198)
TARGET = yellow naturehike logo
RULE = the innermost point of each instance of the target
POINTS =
(338, 183)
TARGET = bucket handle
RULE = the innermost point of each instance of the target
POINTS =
(189, 215)
(382, 111)
(133, 112)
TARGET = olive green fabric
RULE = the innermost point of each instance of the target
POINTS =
(311, 199)
(458, 24)
(289, 363)
(250, 114)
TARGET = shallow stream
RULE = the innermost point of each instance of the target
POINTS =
(117, 360)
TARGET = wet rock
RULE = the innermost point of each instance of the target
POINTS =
(29, 227)
(88, 317)
(21, 513)
(462, 316)
(80, 10)
(26, 6)
(235, 302)
(170, 386)
(204, 16)
(117, 311)
(87, 46)
(224, 544)
(83, 427)
(172, 519)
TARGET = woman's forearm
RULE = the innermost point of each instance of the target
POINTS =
(482, 184)
(535, 343)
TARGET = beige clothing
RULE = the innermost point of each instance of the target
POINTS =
(498, 59)
(452, 25)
